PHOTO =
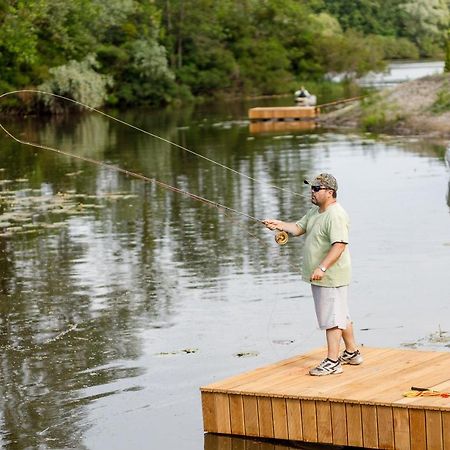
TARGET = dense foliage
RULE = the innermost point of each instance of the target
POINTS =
(447, 54)
(128, 52)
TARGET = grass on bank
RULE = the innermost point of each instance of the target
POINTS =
(442, 103)
(379, 114)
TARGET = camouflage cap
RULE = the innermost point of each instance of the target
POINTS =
(324, 179)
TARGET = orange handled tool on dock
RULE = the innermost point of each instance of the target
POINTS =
(425, 392)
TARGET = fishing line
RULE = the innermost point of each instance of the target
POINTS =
(132, 174)
(224, 209)
(281, 237)
(90, 108)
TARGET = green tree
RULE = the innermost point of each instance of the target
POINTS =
(351, 53)
(426, 23)
(156, 51)
(367, 16)
(196, 39)
(447, 54)
(18, 42)
(129, 50)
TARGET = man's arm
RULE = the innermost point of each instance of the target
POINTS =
(289, 227)
(331, 257)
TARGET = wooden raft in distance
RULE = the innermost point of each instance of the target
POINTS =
(284, 113)
(364, 406)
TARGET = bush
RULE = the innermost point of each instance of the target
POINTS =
(377, 115)
(442, 103)
(77, 81)
(397, 48)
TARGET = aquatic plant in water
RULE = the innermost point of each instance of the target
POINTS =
(24, 210)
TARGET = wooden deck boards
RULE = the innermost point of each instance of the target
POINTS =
(364, 406)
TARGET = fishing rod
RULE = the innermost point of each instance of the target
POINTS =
(281, 237)
(132, 174)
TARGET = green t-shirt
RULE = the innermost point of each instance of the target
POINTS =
(323, 230)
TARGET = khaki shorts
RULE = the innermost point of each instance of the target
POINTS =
(331, 306)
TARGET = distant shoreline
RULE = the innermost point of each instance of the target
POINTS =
(415, 108)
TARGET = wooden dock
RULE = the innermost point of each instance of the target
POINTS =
(284, 113)
(364, 406)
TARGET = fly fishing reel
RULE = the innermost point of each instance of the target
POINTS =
(281, 237)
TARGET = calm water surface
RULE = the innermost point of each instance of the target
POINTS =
(119, 299)
(399, 72)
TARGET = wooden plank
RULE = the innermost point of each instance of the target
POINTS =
(401, 428)
(324, 429)
(388, 384)
(399, 380)
(346, 386)
(237, 415)
(309, 420)
(279, 418)
(243, 383)
(236, 380)
(273, 385)
(339, 423)
(446, 430)
(223, 413)
(265, 417)
(362, 407)
(294, 417)
(433, 425)
(356, 380)
(287, 380)
(251, 415)
(209, 412)
(438, 403)
(369, 426)
(354, 425)
(417, 427)
(385, 423)
(231, 382)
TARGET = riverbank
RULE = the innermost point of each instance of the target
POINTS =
(420, 107)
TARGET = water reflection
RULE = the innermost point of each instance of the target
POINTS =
(220, 442)
(272, 126)
(73, 299)
(97, 308)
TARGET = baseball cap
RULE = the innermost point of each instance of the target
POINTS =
(324, 179)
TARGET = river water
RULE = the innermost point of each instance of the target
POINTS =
(398, 72)
(119, 299)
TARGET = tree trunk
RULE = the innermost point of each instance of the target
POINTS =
(180, 37)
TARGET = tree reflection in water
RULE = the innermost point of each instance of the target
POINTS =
(80, 305)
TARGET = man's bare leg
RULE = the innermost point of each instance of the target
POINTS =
(349, 338)
(334, 336)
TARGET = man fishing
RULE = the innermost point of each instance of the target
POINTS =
(327, 267)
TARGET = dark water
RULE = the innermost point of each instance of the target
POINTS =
(119, 299)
